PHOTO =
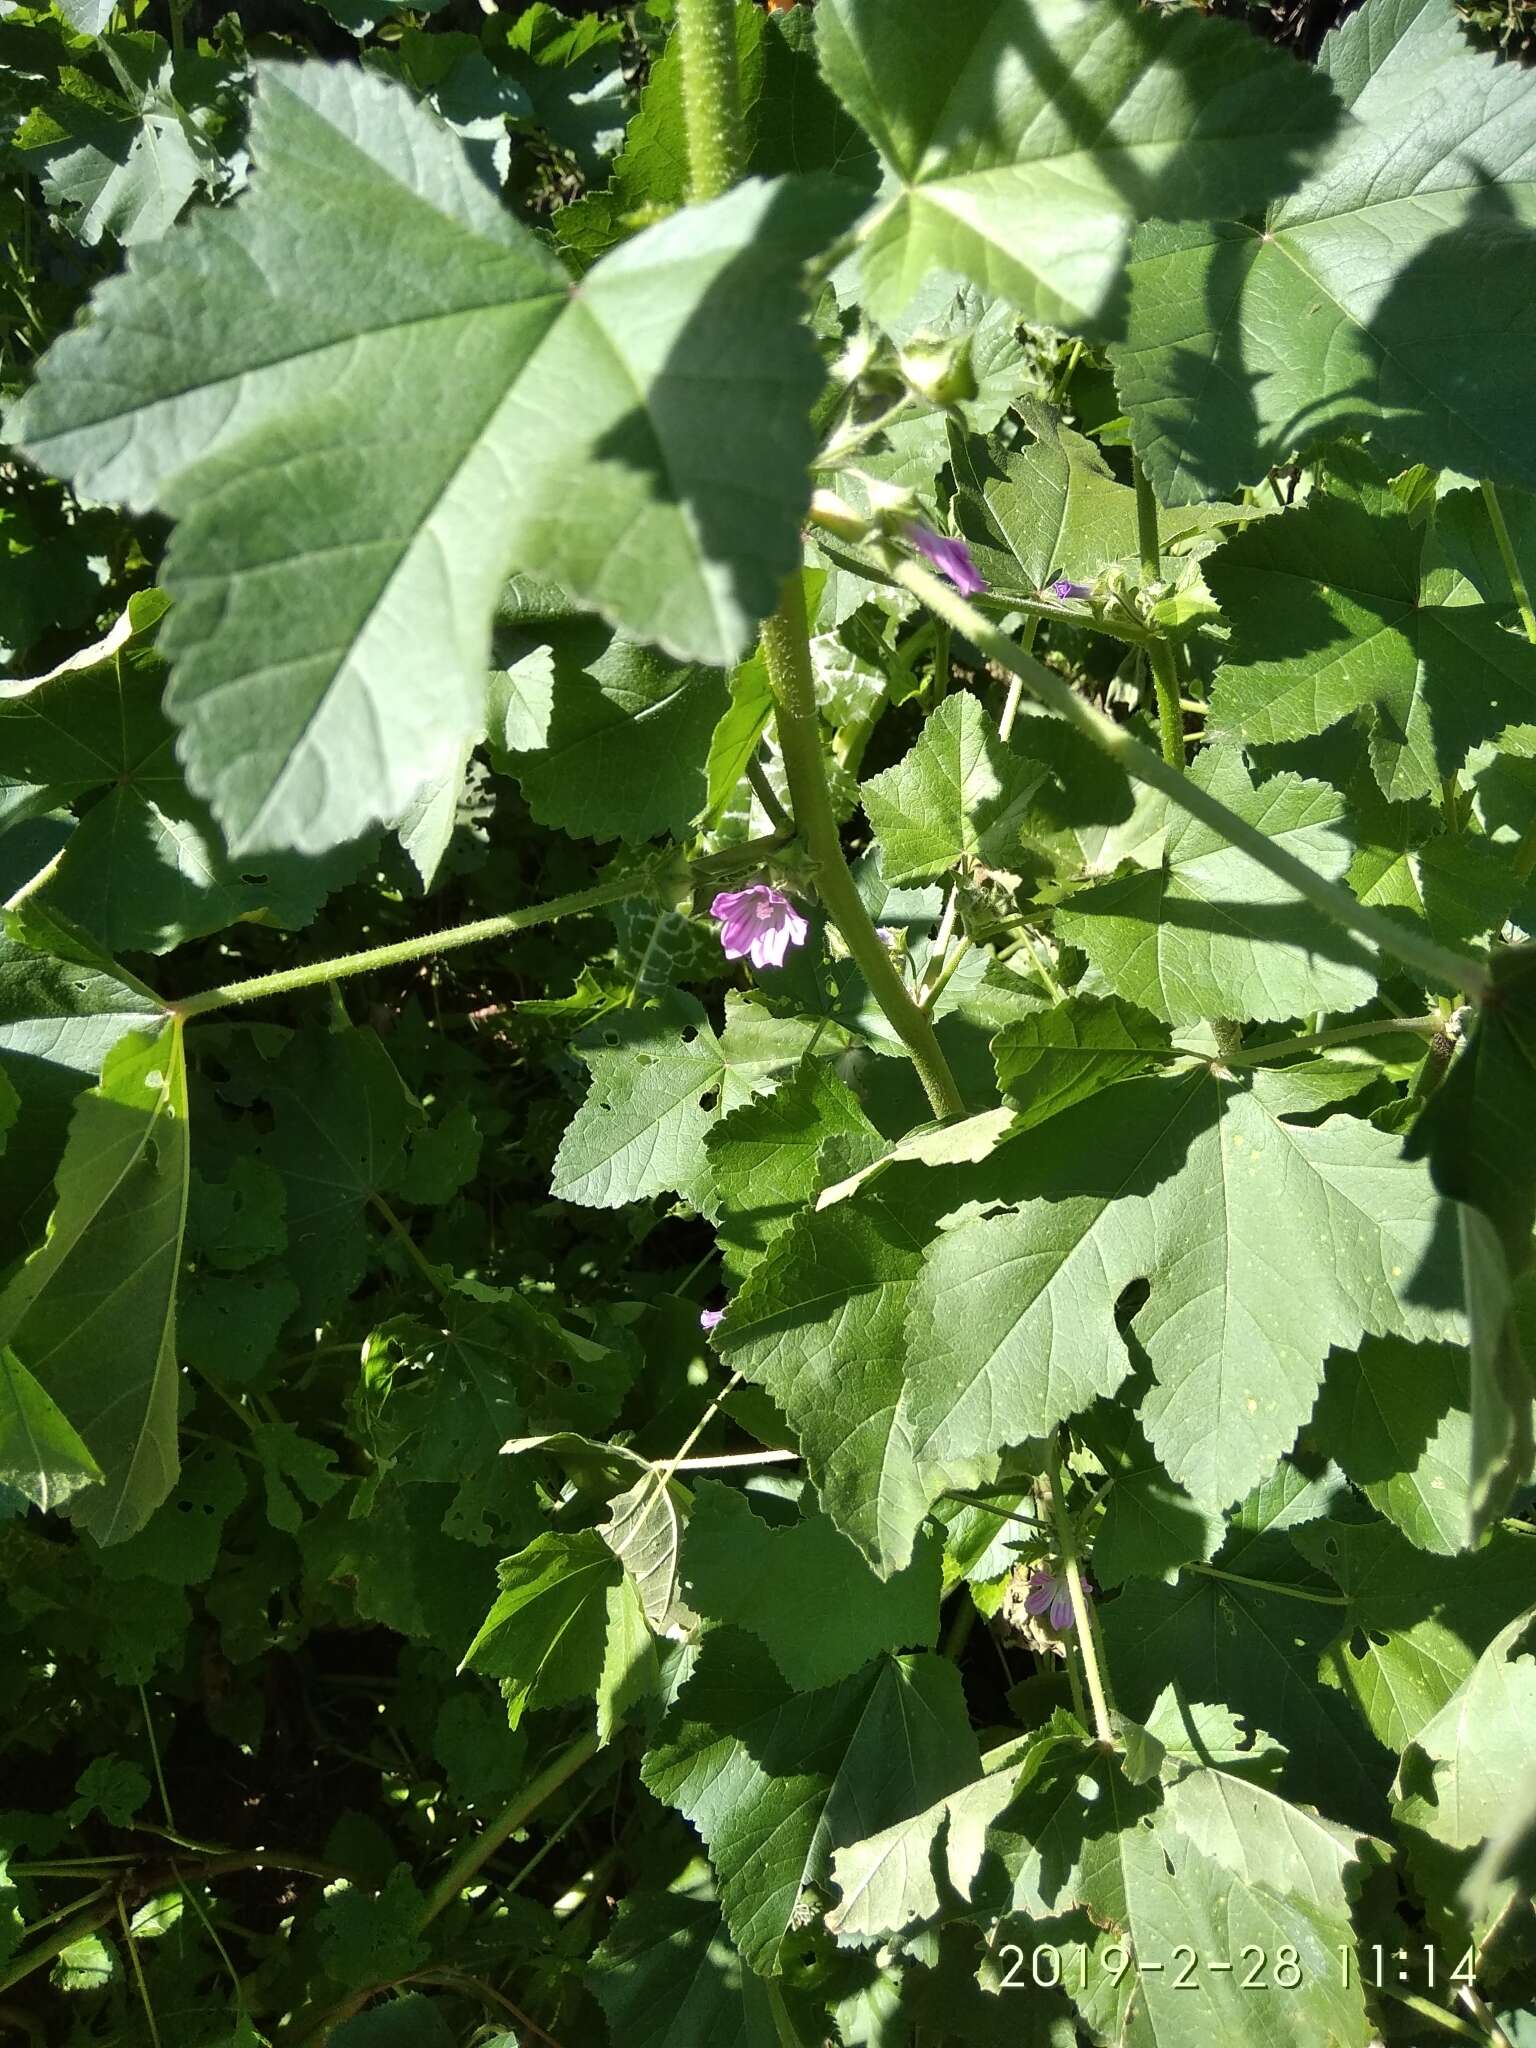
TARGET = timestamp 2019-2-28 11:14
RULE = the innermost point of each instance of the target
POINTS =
(1253, 1968)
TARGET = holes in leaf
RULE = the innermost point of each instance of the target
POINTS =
(709, 1098)
(1359, 1645)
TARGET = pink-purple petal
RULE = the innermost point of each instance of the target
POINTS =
(952, 558)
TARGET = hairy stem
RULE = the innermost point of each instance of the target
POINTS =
(706, 33)
(1066, 1550)
(787, 652)
(1437, 963)
(421, 948)
(1511, 561)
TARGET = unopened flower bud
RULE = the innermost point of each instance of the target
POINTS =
(939, 371)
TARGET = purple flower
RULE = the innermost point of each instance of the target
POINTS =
(1050, 1590)
(710, 1318)
(758, 924)
(1064, 589)
(952, 558)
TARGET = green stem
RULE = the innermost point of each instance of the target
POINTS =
(706, 33)
(974, 1500)
(787, 653)
(958, 1634)
(410, 1247)
(1170, 718)
(1066, 1550)
(1008, 716)
(713, 1464)
(154, 1751)
(376, 958)
(1272, 1586)
(61, 1938)
(1437, 963)
(462, 1869)
(773, 810)
(138, 1973)
(1438, 2016)
(1512, 569)
(1148, 545)
(940, 686)
(1165, 678)
(1341, 1034)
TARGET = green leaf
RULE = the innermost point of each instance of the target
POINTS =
(1197, 928)
(888, 1881)
(958, 795)
(965, 1141)
(765, 1158)
(1177, 1905)
(92, 1314)
(110, 1787)
(1396, 1417)
(1022, 139)
(407, 2020)
(1454, 885)
(1055, 508)
(41, 1455)
(295, 1470)
(180, 1542)
(240, 1220)
(122, 146)
(776, 1781)
(819, 1323)
(660, 1080)
(667, 1976)
(399, 1565)
(59, 1019)
(1385, 295)
(1336, 611)
(1473, 1134)
(1264, 1840)
(630, 1672)
(144, 869)
(341, 1115)
(1063, 1055)
(805, 1591)
(1457, 1774)
(546, 1636)
(621, 755)
(1254, 1648)
(1414, 1625)
(1190, 1183)
(231, 378)
(1150, 1525)
(371, 1938)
